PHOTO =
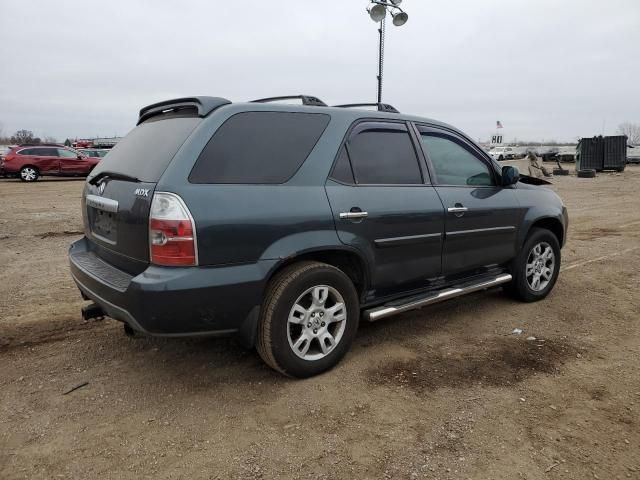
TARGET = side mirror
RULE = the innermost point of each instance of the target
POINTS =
(80, 157)
(510, 176)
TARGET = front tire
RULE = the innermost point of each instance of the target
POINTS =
(536, 268)
(29, 174)
(308, 320)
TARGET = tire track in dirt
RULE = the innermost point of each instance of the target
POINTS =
(33, 334)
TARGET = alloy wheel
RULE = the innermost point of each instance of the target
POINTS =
(540, 266)
(316, 322)
(28, 174)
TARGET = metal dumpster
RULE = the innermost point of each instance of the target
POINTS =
(590, 154)
(615, 153)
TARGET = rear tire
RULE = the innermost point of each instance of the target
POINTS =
(308, 320)
(29, 174)
(536, 268)
(586, 173)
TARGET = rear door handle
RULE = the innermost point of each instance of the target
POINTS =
(351, 215)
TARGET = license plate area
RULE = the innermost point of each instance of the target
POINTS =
(103, 225)
(102, 216)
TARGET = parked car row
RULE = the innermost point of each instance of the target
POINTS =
(546, 153)
(502, 153)
(94, 152)
(30, 162)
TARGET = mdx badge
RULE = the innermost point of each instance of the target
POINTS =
(142, 192)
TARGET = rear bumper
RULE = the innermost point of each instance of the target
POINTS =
(175, 302)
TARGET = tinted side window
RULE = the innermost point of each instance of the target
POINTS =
(46, 152)
(342, 169)
(384, 156)
(259, 147)
(454, 164)
(26, 151)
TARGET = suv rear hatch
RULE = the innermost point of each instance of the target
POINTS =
(117, 197)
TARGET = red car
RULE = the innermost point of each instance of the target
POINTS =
(31, 161)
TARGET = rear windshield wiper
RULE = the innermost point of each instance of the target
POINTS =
(115, 176)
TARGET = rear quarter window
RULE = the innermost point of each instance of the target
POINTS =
(259, 148)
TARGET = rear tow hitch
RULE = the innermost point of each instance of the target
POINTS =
(94, 311)
(128, 331)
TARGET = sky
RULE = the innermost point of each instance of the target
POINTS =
(547, 69)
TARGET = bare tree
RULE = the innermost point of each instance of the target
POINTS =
(632, 131)
(23, 136)
(48, 139)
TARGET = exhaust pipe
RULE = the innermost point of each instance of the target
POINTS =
(93, 310)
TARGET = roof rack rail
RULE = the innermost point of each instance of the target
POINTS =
(306, 100)
(382, 107)
(203, 106)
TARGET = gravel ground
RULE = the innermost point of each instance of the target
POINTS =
(447, 392)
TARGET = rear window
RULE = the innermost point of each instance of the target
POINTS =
(148, 149)
(259, 148)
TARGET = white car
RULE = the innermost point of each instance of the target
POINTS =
(502, 153)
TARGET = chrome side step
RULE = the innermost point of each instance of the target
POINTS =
(384, 311)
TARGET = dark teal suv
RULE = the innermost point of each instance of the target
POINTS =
(286, 225)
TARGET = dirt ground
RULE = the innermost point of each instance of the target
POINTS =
(447, 392)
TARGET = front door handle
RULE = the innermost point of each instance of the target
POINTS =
(458, 209)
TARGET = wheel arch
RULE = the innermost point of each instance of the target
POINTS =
(553, 224)
(348, 260)
(29, 165)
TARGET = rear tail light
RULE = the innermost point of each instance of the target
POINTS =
(172, 232)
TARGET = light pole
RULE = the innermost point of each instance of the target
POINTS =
(378, 13)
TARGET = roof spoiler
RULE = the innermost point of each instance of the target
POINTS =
(202, 105)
